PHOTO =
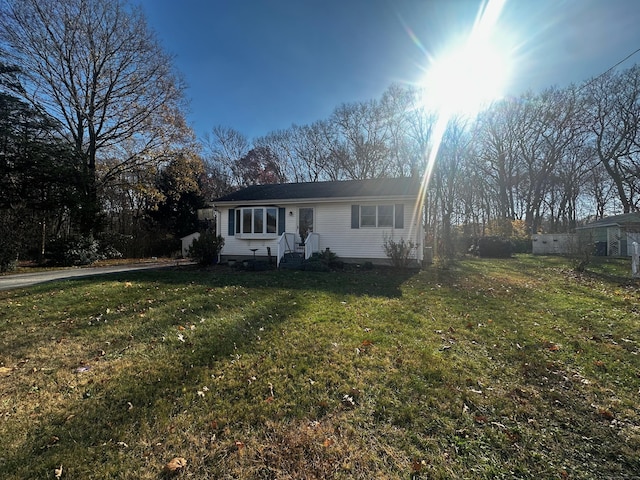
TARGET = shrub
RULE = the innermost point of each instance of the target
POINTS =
(9, 249)
(398, 252)
(80, 250)
(324, 261)
(494, 247)
(206, 248)
(315, 265)
(581, 249)
(521, 245)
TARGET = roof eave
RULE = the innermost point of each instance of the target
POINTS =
(293, 201)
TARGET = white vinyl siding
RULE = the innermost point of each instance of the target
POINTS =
(332, 222)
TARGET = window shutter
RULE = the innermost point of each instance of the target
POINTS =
(232, 222)
(399, 220)
(281, 220)
(355, 216)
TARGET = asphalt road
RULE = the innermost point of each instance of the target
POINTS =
(9, 282)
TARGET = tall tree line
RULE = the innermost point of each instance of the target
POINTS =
(111, 96)
(541, 161)
(94, 139)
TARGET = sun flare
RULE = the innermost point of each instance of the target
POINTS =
(463, 81)
(470, 75)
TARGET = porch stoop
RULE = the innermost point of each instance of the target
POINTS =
(292, 261)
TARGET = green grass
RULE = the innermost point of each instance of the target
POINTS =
(515, 368)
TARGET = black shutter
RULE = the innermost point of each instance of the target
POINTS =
(281, 220)
(355, 216)
(232, 222)
(399, 221)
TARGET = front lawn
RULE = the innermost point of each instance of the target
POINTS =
(515, 368)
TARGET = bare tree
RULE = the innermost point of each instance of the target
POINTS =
(280, 149)
(497, 160)
(601, 189)
(361, 149)
(396, 103)
(614, 107)
(96, 67)
(546, 130)
(312, 150)
(447, 181)
(224, 147)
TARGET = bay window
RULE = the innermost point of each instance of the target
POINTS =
(256, 221)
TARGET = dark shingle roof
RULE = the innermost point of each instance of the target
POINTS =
(614, 220)
(379, 187)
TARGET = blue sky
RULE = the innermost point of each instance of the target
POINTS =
(262, 65)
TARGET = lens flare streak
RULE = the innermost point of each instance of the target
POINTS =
(462, 83)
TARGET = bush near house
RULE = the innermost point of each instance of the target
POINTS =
(206, 248)
(399, 252)
(324, 261)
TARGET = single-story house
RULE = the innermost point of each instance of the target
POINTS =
(613, 236)
(352, 218)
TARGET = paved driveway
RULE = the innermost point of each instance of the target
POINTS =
(8, 282)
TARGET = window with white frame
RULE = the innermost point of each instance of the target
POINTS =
(256, 221)
(381, 216)
(377, 216)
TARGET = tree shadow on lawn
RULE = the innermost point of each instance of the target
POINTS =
(380, 281)
(383, 282)
(140, 401)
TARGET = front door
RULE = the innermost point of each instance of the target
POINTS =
(305, 222)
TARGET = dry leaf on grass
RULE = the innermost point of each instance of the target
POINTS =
(606, 414)
(417, 465)
(58, 472)
(175, 465)
(5, 371)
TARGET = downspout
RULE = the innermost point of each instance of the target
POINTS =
(216, 212)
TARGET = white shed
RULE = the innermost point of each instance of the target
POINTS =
(187, 241)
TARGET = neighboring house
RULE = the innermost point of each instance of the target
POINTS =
(613, 236)
(351, 218)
